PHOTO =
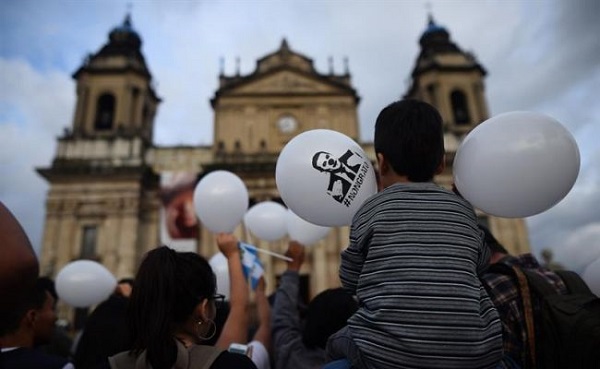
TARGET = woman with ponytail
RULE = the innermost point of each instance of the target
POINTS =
(172, 311)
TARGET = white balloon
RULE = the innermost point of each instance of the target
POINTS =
(267, 220)
(591, 276)
(516, 164)
(84, 283)
(581, 248)
(221, 200)
(324, 177)
(218, 263)
(304, 232)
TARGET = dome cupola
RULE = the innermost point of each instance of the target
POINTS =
(125, 34)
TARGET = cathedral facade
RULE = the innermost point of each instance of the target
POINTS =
(110, 185)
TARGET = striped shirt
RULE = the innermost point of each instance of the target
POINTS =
(413, 262)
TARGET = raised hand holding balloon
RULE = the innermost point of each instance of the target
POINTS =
(516, 164)
(221, 200)
(324, 177)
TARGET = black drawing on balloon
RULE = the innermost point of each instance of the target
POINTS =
(346, 174)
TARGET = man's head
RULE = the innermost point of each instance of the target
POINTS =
(325, 162)
(35, 317)
(409, 140)
(326, 314)
(45, 318)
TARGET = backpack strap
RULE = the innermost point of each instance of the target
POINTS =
(521, 277)
(575, 284)
(527, 312)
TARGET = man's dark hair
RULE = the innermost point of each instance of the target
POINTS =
(48, 284)
(34, 299)
(409, 134)
(491, 242)
(326, 314)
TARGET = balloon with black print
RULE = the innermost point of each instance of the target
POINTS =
(324, 176)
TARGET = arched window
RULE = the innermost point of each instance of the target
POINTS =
(431, 94)
(460, 108)
(88, 242)
(145, 114)
(105, 112)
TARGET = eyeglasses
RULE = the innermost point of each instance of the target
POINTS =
(218, 299)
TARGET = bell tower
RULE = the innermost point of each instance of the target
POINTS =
(102, 201)
(452, 80)
(114, 92)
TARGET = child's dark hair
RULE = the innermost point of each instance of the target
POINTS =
(326, 314)
(167, 288)
(409, 134)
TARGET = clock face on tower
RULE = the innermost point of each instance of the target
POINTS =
(287, 124)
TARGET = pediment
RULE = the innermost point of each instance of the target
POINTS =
(285, 82)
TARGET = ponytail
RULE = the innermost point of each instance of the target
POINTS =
(167, 288)
(151, 308)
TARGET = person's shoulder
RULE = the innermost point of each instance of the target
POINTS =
(494, 278)
(371, 202)
(229, 360)
(500, 272)
(28, 357)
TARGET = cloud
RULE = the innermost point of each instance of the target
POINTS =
(568, 223)
(581, 248)
(40, 105)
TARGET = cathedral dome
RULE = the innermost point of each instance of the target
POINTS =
(121, 52)
(436, 38)
(433, 27)
(124, 34)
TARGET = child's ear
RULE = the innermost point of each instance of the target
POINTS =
(442, 165)
(383, 165)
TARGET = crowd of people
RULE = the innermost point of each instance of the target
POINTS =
(416, 291)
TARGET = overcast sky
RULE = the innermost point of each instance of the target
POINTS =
(541, 56)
